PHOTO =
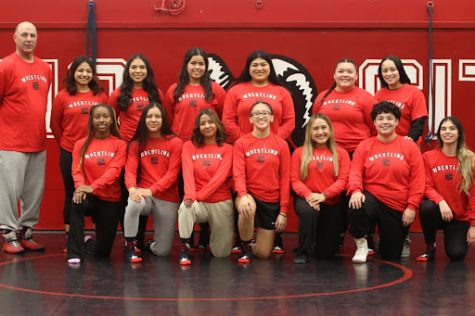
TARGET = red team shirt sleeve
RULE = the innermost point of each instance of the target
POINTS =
(114, 168)
(417, 178)
(297, 184)
(355, 179)
(220, 96)
(230, 116)
(77, 173)
(168, 102)
(220, 176)
(239, 170)
(188, 171)
(284, 178)
(57, 117)
(287, 123)
(430, 191)
(131, 166)
(174, 166)
(342, 179)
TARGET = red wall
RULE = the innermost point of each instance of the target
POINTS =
(313, 32)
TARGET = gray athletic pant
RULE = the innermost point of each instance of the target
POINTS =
(22, 177)
(164, 214)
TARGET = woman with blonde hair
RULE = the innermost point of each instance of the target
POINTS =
(319, 174)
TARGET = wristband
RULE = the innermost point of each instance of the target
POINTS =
(283, 214)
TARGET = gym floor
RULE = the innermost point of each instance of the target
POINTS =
(44, 284)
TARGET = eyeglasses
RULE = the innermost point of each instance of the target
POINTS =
(263, 114)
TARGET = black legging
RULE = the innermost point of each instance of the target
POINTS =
(106, 217)
(391, 231)
(455, 232)
(319, 231)
(65, 162)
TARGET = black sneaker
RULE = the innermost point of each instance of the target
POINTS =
(131, 255)
(301, 259)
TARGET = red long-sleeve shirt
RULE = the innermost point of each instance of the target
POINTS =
(321, 176)
(443, 183)
(70, 114)
(182, 114)
(129, 119)
(159, 163)
(410, 101)
(206, 171)
(350, 113)
(261, 166)
(23, 97)
(242, 96)
(393, 172)
(101, 166)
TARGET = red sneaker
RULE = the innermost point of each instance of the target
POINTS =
(30, 244)
(12, 246)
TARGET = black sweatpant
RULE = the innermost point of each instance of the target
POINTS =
(391, 231)
(455, 232)
(65, 162)
(319, 231)
(106, 217)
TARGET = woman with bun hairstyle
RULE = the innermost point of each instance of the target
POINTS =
(450, 193)
(386, 185)
(69, 119)
(258, 82)
(347, 106)
(207, 162)
(396, 87)
(153, 164)
(319, 174)
(261, 173)
(98, 160)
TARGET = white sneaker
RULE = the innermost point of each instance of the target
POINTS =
(406, 249)
(361, 252)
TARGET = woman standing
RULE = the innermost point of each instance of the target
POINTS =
(258, 82)
(207, 162)
(193, 92)
(69, 119)
(153, 164)
(261, 172)
(396, 88)
(386, 185)
(450, 193)
(319, 175)
(138, 89)
(98, 160)
(347, 106)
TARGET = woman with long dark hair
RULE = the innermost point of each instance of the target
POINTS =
(193, 92)
(69, 118)
(319, 175)
(450, 193)
(396, 87)
(153, 164)
(138, 89)
(207, 163)
(98, 160)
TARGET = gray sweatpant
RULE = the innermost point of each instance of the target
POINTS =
(22, 177)
(164, 222)
(221, 223)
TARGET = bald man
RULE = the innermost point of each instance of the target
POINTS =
(24, 84)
